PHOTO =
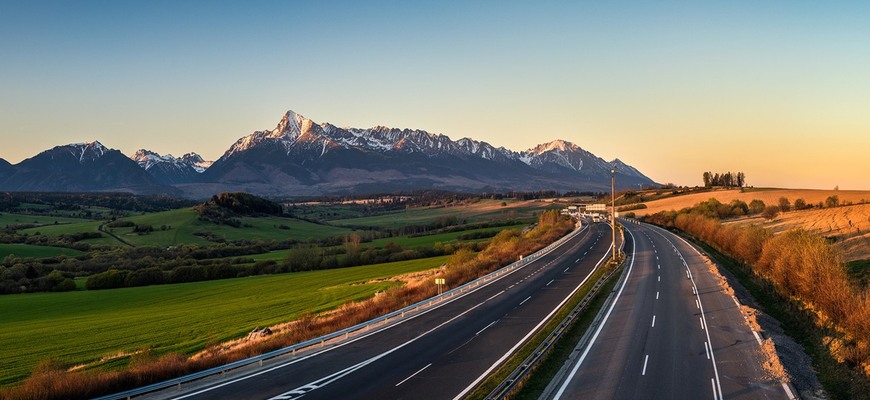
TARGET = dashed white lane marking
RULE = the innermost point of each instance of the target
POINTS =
(660, 278)
(698, 303)
(548, 283)
(485, 327)
(566, 269)
(757, 338)
(657, 295)
(654, 322)
(702, 323)
(524, 301)
(645, 359)
(788, 391)
(707, 349)
(414, 374)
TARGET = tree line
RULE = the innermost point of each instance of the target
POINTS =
(726, 179)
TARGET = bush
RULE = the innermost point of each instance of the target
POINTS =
(110, 279)
(770, 212)
(756, 207)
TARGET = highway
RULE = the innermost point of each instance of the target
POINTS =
(671, 333)
(440, 354)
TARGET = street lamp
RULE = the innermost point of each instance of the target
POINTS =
(613, 209)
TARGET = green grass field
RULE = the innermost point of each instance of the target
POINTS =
(485, 210)
(18, 219)
(82, 326)
(77, 227)
(25, 250)
(182, 223)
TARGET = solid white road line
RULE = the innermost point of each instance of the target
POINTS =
(414, 374)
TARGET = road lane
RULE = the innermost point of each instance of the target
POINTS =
(671, 333)
(437, 355)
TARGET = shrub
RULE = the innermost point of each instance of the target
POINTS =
(770, 212)
(756, 207)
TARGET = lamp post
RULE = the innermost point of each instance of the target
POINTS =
(613, 210)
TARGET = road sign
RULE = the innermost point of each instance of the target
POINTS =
(439, 281)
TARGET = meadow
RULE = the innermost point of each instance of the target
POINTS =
(24, 250)
(484, 210)
(7, 219)
(181, 225)
(103, 328)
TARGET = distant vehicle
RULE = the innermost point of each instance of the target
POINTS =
(595, 218)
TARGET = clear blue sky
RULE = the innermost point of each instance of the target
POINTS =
(779, 90)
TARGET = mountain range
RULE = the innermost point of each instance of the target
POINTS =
(300, 157)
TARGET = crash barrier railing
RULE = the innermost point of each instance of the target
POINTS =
(529, 363)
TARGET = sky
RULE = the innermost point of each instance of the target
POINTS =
(777, 90)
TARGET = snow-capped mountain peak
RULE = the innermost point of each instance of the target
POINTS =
(556, 145)
(169, 169)
(86, 151)
(290, 126)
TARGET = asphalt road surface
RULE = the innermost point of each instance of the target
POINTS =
(671, 333)
(441, 354)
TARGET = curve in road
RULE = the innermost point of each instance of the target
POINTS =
(670, 332)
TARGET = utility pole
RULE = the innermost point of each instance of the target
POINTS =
(613, 209)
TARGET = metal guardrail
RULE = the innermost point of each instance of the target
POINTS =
(510, 383)
(345, 333)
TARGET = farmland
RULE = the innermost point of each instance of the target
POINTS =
(768, 196)
(846, 227)
(91, 325)
(24, 250)
(180, 226)
(480, 211)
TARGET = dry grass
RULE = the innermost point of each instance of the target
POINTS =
(848, 226)
(769, 197)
